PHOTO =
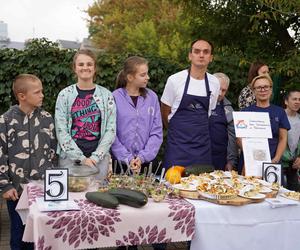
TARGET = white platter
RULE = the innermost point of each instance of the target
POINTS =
(190, 187)
(265, 190)
(259, 196)
(217, 196)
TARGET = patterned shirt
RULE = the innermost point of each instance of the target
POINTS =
(67, 147)
(86, 124)
(27, 147)
(246, 97)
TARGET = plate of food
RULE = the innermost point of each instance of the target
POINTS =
(291, 195)
(275, 186)
(252, 195)
(265, 190)
(185, 186)
(251, 192)
(218, 191)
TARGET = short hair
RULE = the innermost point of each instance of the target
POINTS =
(264, 76)
(221, 75)
(20, 84)
(253, 70)
(289, 92)
(202, 39)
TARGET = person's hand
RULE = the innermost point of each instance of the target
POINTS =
(89, 162)
(228, 166)
(11, 194)
(275, 160)
(296, 164)
(135, 164)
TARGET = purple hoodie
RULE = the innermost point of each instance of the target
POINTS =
(139, 129)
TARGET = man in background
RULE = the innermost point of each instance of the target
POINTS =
(223, 141)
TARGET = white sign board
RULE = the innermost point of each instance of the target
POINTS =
(252, 124)
(256, 152)
(56, 184)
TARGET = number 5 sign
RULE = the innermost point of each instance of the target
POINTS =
(56, 184)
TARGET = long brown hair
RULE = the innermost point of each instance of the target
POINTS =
(253, 70)
(130, 68)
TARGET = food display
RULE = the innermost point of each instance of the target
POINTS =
(217, 190)
(292, 195)
(224, 185)
(148, 185)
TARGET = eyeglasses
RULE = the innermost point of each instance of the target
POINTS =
(263, 88)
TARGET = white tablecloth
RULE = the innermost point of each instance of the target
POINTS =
(253, 226)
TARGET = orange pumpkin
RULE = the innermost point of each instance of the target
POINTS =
(173, 175)
(180, 169)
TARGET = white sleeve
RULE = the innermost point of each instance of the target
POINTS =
(214, 96)
(169, 94)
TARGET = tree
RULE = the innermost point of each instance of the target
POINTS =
(264, 29)
(154, 27)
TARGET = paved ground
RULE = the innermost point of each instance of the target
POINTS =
(5, 235)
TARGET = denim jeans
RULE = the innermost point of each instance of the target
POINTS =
(16, 229)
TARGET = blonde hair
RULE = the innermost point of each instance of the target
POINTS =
(21, 82)
(264, 76)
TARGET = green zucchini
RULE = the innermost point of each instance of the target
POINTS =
(102, 199)
(129, 197)
(197, 169)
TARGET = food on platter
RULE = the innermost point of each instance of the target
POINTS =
(251, 192)
(234, 174)
(206, 176)
(265, 190)
(275, 186)
(218, 174)
(253, 196)
(236, 183)
(217, 191)
(251, 179)
(185, 186)
(292, 195)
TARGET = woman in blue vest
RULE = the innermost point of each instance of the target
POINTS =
(262, 88)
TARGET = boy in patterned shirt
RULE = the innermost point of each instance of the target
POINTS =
(27, 148)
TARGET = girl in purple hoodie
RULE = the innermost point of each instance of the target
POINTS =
(139, 124)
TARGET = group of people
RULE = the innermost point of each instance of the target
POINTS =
(91, 123)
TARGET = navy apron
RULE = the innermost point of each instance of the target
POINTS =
(219, 136)
(188, 140)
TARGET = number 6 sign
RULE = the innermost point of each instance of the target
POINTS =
(56, 184)
(272, 172)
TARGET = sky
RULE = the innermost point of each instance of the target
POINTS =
(53, 19)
